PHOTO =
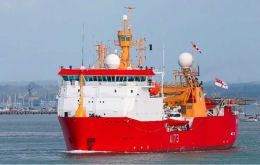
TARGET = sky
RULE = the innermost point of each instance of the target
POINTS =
(39, 36)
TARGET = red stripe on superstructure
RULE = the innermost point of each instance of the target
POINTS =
(145, 72)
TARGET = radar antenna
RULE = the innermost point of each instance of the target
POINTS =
(129, 11)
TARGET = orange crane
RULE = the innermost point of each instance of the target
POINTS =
(187, 93)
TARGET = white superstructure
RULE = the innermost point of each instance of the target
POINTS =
(112, 96)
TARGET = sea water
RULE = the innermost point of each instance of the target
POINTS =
(35, 139)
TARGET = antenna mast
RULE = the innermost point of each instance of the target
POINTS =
(83, 41)
(129, 8)
(141, 52)
(163, 68)
(125, 41)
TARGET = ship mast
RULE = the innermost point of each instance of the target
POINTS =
(141, 52)
(102, 52)
(125, 41)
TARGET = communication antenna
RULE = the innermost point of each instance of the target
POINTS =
(163, 67)
(129, 8)
(83, 43)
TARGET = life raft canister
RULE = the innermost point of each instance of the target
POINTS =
(154, 90)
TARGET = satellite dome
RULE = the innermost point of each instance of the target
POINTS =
(124, 17)
(185, 60)
(112, 61)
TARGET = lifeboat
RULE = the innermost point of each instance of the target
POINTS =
(155, 89)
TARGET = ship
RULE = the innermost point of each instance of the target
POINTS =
(121, 107)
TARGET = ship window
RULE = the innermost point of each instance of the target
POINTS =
(109, 78)
(143, 78)
(95, 78)
(74, 78)
(71, 78)
(137, 78)
(104, 78)
(132, 91)
(65, 78)
(120, 78)
(113, 78)
(115, 90)
(127, 38)
(130, 78)
(124, 78)
(87, 78)
(122, 38)
(99, 78)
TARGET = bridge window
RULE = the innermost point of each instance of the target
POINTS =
(113, 78)
(89, 78)
(117, 78)
(122, 38)
(137, 78)
(130, 78)
(121, 78)
(110, 78)
(71, 78)
(99, 78)
(127, 38)
(106, 78)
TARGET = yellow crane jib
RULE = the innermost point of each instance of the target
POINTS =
(81, 110)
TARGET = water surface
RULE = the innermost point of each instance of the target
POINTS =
(38, 139)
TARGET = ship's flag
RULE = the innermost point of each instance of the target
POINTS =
(196, 47)
(221, 84)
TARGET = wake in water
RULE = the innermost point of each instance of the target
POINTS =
(85, 152)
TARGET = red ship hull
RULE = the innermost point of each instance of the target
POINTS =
(128, 135)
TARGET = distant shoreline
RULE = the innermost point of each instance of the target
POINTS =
(26, 113)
